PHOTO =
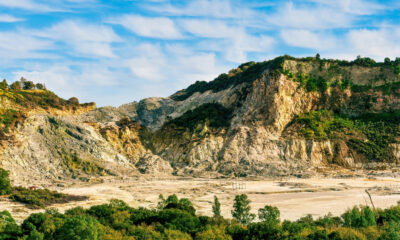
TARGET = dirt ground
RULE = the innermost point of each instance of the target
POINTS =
(294, 197)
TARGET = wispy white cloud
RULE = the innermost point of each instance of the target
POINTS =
(377, 44)
(290, 15)
(87, 39)
(148, 62)
(358, 7)
(27, 5)
(154, 27)
(17, 45)
(205, 8)
(308, 39)
(9, 18)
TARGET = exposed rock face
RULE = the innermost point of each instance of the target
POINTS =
(260, 140)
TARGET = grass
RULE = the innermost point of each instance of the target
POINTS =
(41, 198)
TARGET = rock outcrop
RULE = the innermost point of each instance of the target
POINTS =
(174, 135)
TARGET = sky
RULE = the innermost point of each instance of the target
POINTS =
(118, 51)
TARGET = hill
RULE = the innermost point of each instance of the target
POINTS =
(286, 116)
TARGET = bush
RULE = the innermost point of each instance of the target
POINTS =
(5, 185)
(213, 233)
(73, 101)
(179, 220)
(41, 198)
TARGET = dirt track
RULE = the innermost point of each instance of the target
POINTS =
(294, 197)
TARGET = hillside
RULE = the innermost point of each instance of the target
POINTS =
(286, 116)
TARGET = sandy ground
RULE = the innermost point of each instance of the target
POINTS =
(294, 197)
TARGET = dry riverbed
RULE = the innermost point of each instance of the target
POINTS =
(294, 197)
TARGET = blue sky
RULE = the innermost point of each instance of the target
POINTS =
(117, 51)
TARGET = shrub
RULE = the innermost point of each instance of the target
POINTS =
(5, 185)
(213, 233)
(179, 220)
(214, 115)
(41, 198)
(73, 101)
(170, 234)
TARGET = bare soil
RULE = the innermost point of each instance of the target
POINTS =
(294, 197)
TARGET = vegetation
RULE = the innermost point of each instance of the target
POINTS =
(33, 198)
(250, 71)
(5, 185)
(216, 208)
(213, 115)
(241, 210)
(117, 220)
(40, 198)
(369, 134)
(246, 72)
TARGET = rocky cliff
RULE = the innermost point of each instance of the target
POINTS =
(280, 117)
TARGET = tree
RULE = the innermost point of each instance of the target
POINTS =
(5, 185)
(15, 85)
(4, 84)
(40, 86)
(216, 208)
(241, 210)
(318, 57)
(387, 61)
(79, 228)
(161, 202)
(269, 214)
(74, 101)
(28, 85)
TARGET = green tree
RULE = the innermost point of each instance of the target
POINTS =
(269, 214)
(216, 208)
(5, 185)
(213, 233)
(4, 84)
(241, 210)
(28, 85)
(79, 228)
(73, 101)
(40, 86)
(15, 86)
(161, 202)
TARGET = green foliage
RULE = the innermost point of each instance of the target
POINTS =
(79, 228)
(5, 185)
(359, 217)
(213, 233)
(269, 214)
(213, 115)
(179, 220)
(4, 84)
(118, 221)
(216, 207)
(29, 85)
(15, 86)
(41, 198)
(241, 209)
(371, 134)
(246, 72)
(8, 227)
